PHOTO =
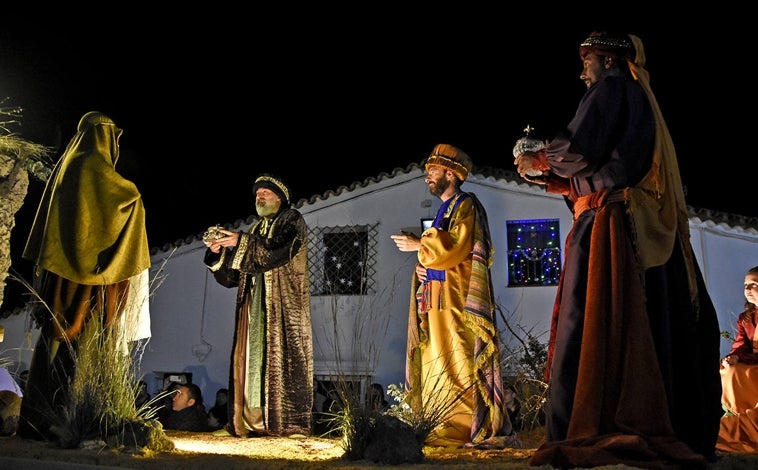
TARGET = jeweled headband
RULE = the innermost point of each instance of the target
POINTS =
(609, 45)
(443, 160)
(605, 41)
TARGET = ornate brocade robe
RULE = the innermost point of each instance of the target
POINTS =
(271, 371)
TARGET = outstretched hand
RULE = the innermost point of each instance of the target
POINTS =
(531, 168)
(406, 241)
(230, 239)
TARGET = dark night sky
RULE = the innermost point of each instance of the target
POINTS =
(210, 101)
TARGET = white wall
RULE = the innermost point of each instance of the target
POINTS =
(192, 319)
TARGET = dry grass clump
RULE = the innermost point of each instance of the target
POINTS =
(99, 408)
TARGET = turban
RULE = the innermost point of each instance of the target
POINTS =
(618, 46)
(452, 158)
(274, 184)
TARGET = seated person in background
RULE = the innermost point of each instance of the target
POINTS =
(218, 414)
(188, 412)
(165, 403)
(738, 430)
(513, 406)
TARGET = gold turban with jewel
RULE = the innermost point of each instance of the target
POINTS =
(452, 158)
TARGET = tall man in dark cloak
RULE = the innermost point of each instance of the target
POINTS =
(271, 374)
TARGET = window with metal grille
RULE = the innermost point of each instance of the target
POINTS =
(534, 252)
(342, 260)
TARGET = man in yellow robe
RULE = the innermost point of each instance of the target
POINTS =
(453, 357)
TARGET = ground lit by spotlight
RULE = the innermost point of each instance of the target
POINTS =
(304, 449)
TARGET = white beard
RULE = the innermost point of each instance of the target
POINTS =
(264, 209)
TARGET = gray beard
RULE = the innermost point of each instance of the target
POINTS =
(265, 210)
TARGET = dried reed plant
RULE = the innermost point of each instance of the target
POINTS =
(523, 359)
(426, 412)
(354, 419)
(356, 352)
(36, 158)
(100, 392)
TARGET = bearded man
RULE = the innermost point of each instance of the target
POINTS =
(634, 342)
(271, 373)
(453, 351)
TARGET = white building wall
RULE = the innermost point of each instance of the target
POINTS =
(192, 319)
